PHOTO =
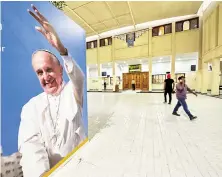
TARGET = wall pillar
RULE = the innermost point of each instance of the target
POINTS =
(99, 67)
(173, 57)
(150, 74)
(215, 77)
(114, 74)
(150, 58)
(205, 77)
(199, 75)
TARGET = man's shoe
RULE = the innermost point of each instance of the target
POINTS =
(164, 102)
(176, 114)
(193, 117)
(169, 103)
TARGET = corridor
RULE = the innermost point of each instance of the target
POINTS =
(135, 135)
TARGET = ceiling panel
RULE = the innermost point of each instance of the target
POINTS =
(77, 4)
(87, 15)
(103, 15)
(119, 8)
(99, 10)
(111, 23)
(74, 18)
(99, 27)
(148, 11)
(125, 19)
(87, 29)
(90, 34)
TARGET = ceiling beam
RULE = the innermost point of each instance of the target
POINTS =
(112, 13)
(101, 22)
(70, 10)
(131, 13)
(109, 20)
(82, 5)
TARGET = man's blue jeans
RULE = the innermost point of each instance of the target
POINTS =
(182, 102)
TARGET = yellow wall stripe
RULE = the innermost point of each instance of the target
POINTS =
(65, 158)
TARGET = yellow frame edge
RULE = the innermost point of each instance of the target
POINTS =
(65, 158)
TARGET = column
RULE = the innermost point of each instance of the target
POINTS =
(113, 63)
(173, 57)
(114, 74)
(215, 76)
(204, 74)
(99, 68)
(150, 58)
(199, 73)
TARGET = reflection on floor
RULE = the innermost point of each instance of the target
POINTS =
(135, 135)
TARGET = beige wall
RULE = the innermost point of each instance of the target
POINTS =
(220, 25)
(185, 42)
(162, 45)
(91, 56)
(212, 48)
(190, 39)
(212, 32)
(105, 54)
(123, 52)
(129, 53)
(207, 41)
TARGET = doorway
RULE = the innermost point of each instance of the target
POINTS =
(141, 80)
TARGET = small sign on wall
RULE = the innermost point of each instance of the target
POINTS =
(134, 68)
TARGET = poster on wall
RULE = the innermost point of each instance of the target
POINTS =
(130, 38)
(43, 117)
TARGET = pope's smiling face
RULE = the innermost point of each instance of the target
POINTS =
(48, 70)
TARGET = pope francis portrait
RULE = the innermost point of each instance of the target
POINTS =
(51, 122)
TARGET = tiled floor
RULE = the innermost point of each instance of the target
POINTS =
(135, 135)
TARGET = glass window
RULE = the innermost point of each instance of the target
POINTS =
(92, 45)
(106, 41)
(110, 41)
(155, 31)
(102, 42)
(95, 44)
(194, 23)
(179, 26)
(186, 25)
(168, 29)
(161, 30)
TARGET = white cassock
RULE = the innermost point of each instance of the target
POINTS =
(51, 126)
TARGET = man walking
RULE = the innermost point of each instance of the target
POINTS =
(104, 85)
(168, 88)
(181, 94)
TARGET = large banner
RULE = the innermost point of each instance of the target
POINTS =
(44, 95)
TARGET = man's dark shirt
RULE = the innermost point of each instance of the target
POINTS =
(169, 86)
